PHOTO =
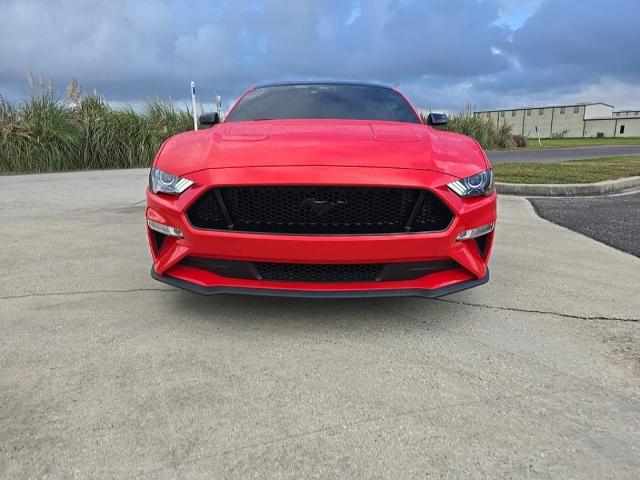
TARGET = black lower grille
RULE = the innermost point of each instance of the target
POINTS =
(319, 210)
(304, 272)
(299, 272)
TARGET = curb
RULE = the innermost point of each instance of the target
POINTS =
(568, 189)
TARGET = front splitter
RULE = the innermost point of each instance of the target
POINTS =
(272, 292)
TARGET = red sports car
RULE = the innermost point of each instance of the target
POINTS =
(321, 190)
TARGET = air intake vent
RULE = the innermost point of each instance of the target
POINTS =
(298, 272)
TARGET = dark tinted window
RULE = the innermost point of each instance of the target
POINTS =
(329, 101)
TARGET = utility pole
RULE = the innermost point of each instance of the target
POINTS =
(193, 105)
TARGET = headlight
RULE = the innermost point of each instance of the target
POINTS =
(163, 182)
(475, 185)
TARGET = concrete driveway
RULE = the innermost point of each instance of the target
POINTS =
(105, 373)
(552, 155)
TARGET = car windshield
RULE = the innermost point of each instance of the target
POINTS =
(323, 101)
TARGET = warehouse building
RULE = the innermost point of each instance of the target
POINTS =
(627, 113)
(579, 120)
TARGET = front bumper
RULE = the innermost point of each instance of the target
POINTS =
(169, 258)
(298, 293)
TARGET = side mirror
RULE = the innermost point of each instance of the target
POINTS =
(437, 119)
(210, 118)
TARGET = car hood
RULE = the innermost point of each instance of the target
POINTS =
(348, 143)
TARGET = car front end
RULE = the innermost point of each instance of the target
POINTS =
(263, 231)
(321, 208)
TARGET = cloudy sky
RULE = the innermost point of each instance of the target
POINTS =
(442, 53)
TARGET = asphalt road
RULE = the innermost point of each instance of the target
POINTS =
(614, 220)
(105, 373)
(562, 154)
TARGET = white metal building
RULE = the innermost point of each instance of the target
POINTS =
(579, 120)
(626, 113)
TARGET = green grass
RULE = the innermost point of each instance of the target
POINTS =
(580, 142)
(45, 134)
(575, 171)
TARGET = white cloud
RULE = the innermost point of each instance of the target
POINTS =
(446, 53)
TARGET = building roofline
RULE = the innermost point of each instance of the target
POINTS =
(627, 111)
(611, 118)
(545, 106)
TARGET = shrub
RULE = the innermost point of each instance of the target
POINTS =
(44, 133)
(504, 137)
(520, 141)
(483, 130)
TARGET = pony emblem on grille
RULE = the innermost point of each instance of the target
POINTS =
(320, 207)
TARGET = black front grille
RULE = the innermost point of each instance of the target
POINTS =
(299, 272)
(206, 212)
(319, 210)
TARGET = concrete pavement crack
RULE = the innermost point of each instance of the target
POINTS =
(86, 292)
(541, 312)
(458, 302)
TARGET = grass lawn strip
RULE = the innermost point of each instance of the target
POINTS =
(532, 143)
(575, 171)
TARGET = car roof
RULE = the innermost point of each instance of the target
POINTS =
(323, 82)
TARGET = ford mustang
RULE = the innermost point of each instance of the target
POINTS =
(321, 190)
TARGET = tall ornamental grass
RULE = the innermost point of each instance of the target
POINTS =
(484, 131)
(46, 134)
